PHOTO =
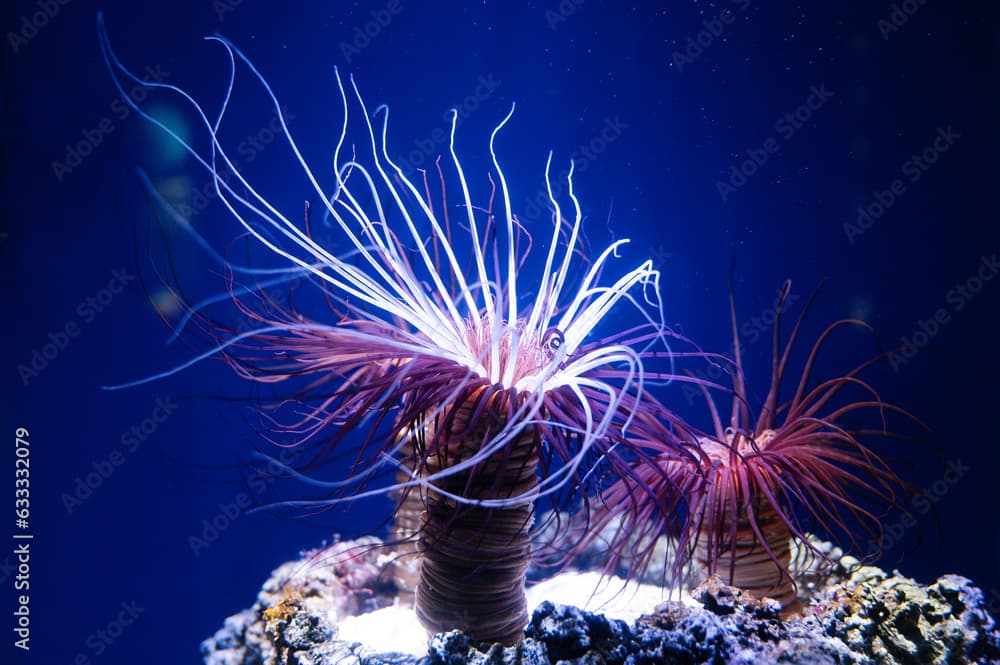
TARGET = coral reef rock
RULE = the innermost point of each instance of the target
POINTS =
(852, 614)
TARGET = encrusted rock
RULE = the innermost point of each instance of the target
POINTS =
(895, 619)
(569, 633)
(722, 599)
(854, 615)
(294, 619)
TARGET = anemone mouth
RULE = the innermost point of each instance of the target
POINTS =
(522, 356)
(736, 446)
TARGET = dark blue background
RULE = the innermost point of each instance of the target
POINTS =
(686, 125)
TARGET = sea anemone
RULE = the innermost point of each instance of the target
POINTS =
(734, 498)
(478, 387)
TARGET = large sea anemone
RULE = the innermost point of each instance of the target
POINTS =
(475, 387)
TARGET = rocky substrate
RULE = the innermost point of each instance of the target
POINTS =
(854, 614)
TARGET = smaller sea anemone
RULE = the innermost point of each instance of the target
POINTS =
(735, 497)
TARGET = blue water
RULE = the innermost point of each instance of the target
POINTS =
(115, 576)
